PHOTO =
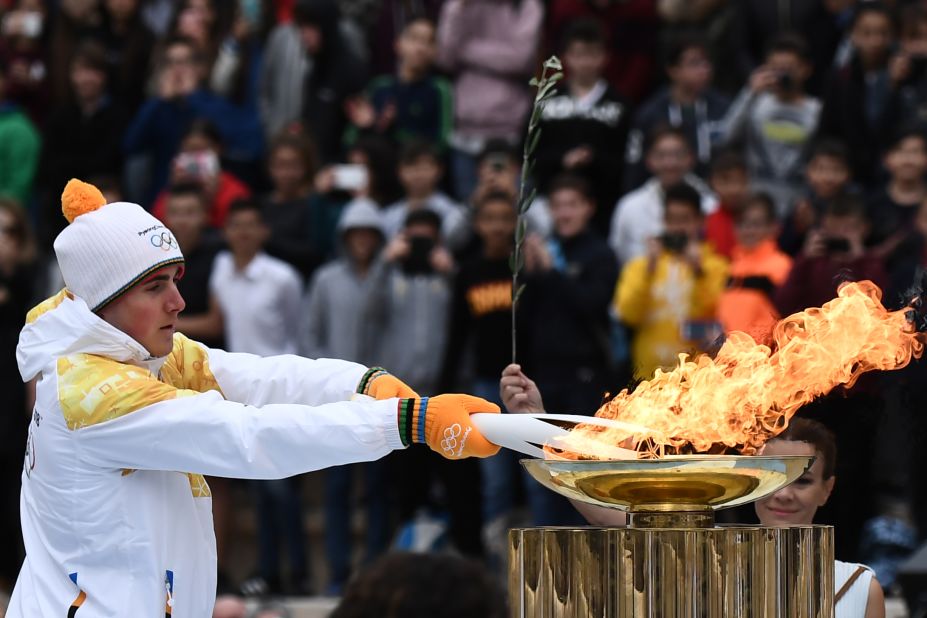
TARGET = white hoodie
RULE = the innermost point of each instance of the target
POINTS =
(116, 517)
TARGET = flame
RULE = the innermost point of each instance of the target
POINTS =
(748, 392)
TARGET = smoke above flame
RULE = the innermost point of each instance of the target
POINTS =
(748, 392)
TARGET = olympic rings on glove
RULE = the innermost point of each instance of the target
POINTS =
(449, 443)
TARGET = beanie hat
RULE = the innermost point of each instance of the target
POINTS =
(361, 213)
(108, 248)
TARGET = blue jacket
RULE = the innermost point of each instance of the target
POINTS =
(159, 127)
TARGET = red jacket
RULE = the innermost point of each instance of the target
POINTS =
(719, 231)
(814, 280)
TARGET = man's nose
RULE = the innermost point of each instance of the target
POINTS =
(176, 301)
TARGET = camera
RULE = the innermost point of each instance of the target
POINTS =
(418, 261)
(836, 245)
(200, 165)
(674, 242)
(349, 177)
(785, 81)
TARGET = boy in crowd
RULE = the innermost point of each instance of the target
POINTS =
(584, 127)
(757, 269)
(730, 182)
(858, 99)
(687, 103)
(481, 306)
(827, 176)
(409, 306)
(893, 207)
(569, 281)
(420, 172)
(186, 217)
(259, 297)
(669, 296)
(410, 299)
(83, 136)
(639, 215)
(499, 171)
(482, 297)
(412, 104)
(833, 253)
(335, 324)
(167, 411)
(773, 119)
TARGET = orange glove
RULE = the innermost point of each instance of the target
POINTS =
(443, 423)
(380, 384)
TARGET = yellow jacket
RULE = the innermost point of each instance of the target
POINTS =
(657, 304)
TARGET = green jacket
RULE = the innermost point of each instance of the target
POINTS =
(19, 153)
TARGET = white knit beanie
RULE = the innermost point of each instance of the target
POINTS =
(108, 248)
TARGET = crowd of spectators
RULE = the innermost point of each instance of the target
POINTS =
(342, 177)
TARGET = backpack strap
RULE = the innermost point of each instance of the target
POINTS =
(849, 583)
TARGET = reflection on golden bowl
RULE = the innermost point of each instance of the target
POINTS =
(671, 484)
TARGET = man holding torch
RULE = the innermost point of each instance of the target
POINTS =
(129, 415)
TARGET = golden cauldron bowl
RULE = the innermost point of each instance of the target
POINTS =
(690, 487)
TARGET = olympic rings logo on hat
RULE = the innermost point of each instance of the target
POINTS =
(163, 241)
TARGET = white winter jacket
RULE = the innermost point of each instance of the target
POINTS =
(116, 517)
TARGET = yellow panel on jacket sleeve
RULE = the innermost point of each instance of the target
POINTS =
(46, 305)
(188, 367)
(93, 389)
(199, 486)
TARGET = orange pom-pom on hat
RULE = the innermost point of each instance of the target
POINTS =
(79, 198)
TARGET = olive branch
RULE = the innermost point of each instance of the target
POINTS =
(551, 73)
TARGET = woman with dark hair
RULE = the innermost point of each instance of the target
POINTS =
(302, 230)
(379, 157)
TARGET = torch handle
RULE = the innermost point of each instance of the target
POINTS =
(528, 433)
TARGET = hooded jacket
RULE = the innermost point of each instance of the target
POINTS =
(116, 516)
(334, 320)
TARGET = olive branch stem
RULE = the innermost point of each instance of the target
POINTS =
(551, 73)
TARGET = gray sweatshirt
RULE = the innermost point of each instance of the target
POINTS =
(775, 135)
(410, 313)
(333, 322)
